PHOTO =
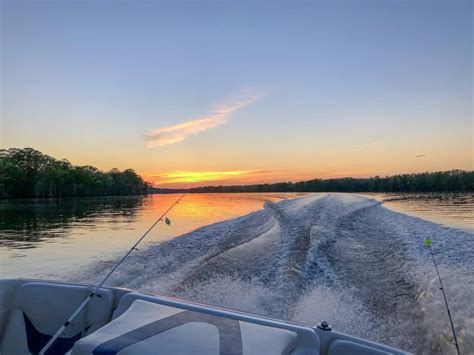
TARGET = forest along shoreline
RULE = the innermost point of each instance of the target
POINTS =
(28, 173)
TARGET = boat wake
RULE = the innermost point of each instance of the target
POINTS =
(338, 257)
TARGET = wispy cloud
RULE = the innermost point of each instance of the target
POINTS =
(181, 131)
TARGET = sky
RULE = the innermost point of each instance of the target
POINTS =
(192, 93)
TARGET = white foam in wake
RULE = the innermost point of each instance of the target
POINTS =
(336, 257)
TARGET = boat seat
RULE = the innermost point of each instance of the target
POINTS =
(40, 308)
(151, 328)
(344, 347)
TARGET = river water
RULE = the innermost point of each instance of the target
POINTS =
(354, 260)
(52, 237)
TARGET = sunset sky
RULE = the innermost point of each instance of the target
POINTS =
(198, 93)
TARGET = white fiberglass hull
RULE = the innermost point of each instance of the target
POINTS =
(120, 321)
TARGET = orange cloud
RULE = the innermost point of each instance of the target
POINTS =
(181, 131)
(201, 178)
(179, 177)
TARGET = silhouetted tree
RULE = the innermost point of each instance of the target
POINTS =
(29, 173)
(441, 181)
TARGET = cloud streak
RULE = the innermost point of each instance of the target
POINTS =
(185, 179)
(199, 176)
(181, 131)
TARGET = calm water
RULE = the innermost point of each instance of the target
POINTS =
(339, 257)
(54, 237)
(453, 210)
(51, 238)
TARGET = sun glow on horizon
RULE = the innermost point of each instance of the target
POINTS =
(197, 176)
(187, 179)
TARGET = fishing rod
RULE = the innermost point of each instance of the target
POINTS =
(427, 244)
(78, 310)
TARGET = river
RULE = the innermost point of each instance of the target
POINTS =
(355, 260)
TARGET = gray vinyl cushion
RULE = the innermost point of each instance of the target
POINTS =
(345, 347)
(48, 306)
(193, 337)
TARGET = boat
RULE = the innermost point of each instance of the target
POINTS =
(121, 321)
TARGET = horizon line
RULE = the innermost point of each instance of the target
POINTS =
(312, 179)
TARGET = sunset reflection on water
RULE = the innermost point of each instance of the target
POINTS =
(46, 238)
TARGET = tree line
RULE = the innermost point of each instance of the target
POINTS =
(30, 173)
(441, 181)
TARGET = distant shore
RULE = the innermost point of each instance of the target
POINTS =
(440, 181)
(28, 173)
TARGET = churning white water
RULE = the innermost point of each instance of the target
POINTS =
(343, 258)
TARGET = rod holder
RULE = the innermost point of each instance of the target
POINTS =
(324, 326)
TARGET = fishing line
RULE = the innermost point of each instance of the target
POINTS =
(96, 289)
(427, 243)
